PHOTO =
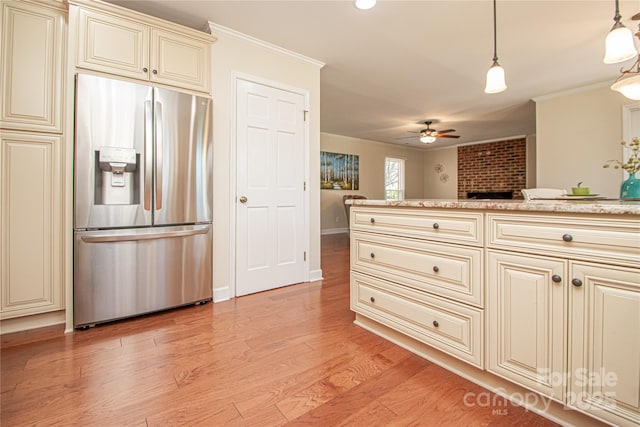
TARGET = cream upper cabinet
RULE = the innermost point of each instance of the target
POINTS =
(31, 224)
(604, 339)
(112, 44)
(117, 41)
(526, 321)
(33, 41)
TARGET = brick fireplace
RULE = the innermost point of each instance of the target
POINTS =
(493, 167)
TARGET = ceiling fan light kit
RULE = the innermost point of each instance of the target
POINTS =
(365, 4)
(495, 75)
(628, 83)
(427, 139)
(619, 42)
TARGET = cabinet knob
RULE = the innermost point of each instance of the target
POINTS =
(373, 220)
(436, 225)
(372, 299)
(155, 71)
(373, 255)
(436, 268)
(145, 69)
(567, 237)
(576, 282)
(435, 323)
(556, 278)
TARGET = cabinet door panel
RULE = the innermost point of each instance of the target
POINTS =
(526, 320)
(32, 65)
(112, 45)
(179, 60)
(605, 342)
(31, 223)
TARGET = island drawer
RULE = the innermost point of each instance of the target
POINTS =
(612, 240)
(445, 270)
(431, 224)
(452, 328)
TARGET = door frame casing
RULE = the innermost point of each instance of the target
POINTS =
(233, 170)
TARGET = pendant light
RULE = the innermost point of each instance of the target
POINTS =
(365, 4)
(495, 75)
(619, 43)
(628, 83)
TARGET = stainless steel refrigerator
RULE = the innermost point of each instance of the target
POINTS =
(143, 199)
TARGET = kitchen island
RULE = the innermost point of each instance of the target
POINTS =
(535, 300)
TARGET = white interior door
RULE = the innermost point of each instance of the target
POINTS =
(269, 188)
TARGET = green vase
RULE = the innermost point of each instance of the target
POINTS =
(630, 188)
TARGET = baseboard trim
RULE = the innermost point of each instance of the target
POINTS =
(315, 275)
(35, 321)
(334, 231)
(221, 294)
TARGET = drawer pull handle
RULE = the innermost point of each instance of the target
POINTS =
(435, 323)
(436, 225)
(567, 237)
(436, 268)
(556, 278)
(372, 299)
(576, 282)
(373, 220)
(373, 255)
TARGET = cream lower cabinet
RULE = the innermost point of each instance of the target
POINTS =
(31, 224)
(604, 342)
(122, 42)
(564, 309)
(426, 284)
(526, 320)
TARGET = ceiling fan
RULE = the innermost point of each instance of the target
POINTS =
(429, 135)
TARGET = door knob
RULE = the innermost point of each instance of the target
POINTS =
(243, 199)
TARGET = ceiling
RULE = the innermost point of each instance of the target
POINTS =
(402, 62)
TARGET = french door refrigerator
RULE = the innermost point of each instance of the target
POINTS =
(143, 199)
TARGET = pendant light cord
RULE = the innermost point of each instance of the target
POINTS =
(495, 34)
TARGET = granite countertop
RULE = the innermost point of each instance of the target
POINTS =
(618, 207)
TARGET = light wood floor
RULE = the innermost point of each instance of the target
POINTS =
(289, 356)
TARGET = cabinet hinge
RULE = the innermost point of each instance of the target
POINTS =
(305, 186)
(305, 114)
(305, 255)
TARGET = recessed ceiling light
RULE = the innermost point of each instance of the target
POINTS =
(365, 4)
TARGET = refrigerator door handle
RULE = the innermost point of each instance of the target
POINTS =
(148, 154)
(144, 234)
(159, 147)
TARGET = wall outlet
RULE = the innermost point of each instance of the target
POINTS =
(337, 219)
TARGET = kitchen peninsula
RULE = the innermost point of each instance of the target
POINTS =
(535, 300)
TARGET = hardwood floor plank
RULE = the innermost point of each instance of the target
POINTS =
(290, 356)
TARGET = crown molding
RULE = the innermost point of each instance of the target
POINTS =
(216, 28)
(593, 86)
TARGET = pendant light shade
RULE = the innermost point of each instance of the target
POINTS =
(365, 4)
(628, 86)
(495, 79)
(619, 43)
(628, 83)
(495, 75)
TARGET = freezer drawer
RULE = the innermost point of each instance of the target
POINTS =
(122, 273)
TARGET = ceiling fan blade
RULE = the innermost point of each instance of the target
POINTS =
(448, 136)
(406, 137)
(446, 131)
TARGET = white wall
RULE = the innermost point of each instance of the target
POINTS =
(372, 157)
(235, 53)
(576, 133)
(436, 186)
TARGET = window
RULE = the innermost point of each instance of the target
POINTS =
(394, 179)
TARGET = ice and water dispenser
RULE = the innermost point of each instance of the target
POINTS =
(117, 176)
